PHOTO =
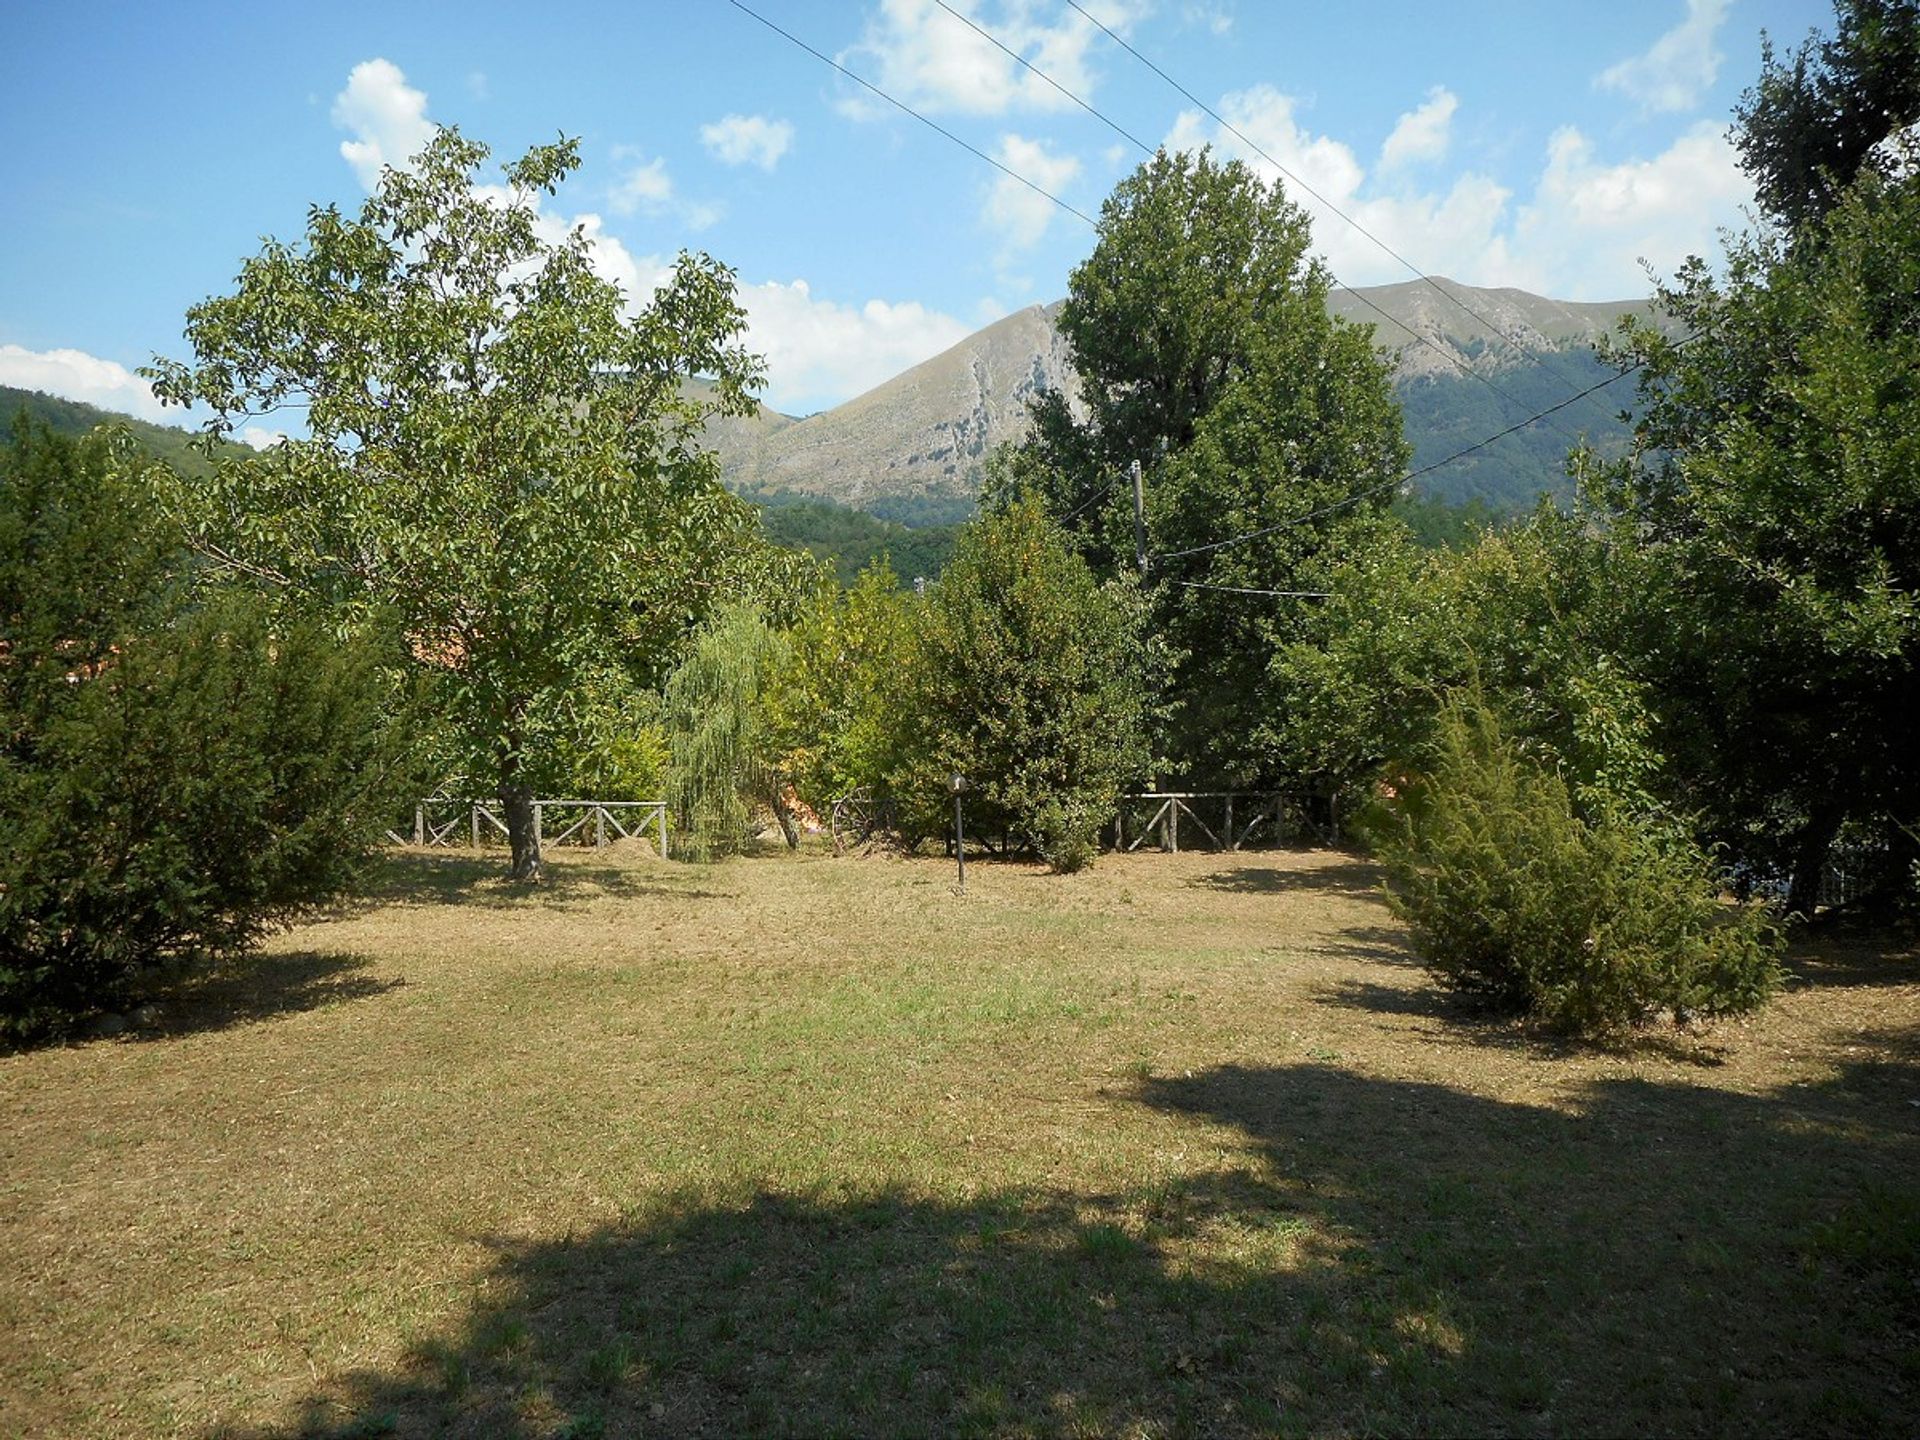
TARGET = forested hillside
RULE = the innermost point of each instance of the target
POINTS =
(1449, 411)
(850, 540)
(75, 418)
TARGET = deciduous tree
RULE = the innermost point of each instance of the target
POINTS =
(1774, 513)
(1200, 334)
(493, 443)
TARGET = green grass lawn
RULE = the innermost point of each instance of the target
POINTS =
(1185, 1144)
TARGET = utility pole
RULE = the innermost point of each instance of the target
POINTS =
(1139, 519)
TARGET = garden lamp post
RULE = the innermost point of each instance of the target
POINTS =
(957, 784)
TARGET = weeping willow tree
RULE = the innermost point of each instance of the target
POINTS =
(723, 756)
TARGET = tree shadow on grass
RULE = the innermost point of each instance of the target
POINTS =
(1386, 1257)
(1849, 959)
(251, 988)
(1354, 879)
(416, 877)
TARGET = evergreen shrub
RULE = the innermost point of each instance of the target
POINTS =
(1592, 924)
(180, 771)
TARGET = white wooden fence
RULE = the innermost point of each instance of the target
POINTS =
(446, 822)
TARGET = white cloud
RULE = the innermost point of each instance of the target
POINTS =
(1590, 224)
(1017, 213)
(1422, 134)
(747, 140)
(819, 352)
(1581, 234)
(1216, 19)
(386, 116)
(260, 437)
(642, 187)
(916, 51)
(1678, 68)
(478, 86)
(76, 375)
(647, 188)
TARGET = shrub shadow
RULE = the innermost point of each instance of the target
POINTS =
(248, 989)
(1845, 961)
(1353, 879)
(1388, 1256)
(468, 878)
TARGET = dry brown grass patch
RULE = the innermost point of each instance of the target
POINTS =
(804, 1144)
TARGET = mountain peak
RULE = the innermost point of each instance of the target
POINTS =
(912, 447)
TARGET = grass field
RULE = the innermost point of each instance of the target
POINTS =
(802, 1145)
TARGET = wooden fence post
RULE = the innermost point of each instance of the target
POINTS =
(420, 824)
(476, 824)
(1232, 843)
(599, 828)
(1173, 826)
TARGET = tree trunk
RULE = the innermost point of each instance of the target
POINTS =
(1810, 858)
(777, 799)
(516, 798)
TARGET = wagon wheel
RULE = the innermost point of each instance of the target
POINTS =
(852, 820)
(857, 817)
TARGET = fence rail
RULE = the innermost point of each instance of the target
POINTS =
(449, 822)
(1227, 818)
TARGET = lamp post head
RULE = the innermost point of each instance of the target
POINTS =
(956, 783)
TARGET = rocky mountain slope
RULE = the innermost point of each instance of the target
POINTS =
(911, 448)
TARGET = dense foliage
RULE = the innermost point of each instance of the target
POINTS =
(1535, 613)
(1200, 332)
(724, 762)
(1027, 677)
(1593, 924)
(501, 451)
(844, 687)
(1818, 119)
(1438, 525)
(851, 540)
(178, 773)
(1773, 515)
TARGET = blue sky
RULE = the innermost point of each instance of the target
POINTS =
(1545, 146)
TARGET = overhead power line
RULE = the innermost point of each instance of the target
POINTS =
(1399, 480)
(1241, 136)
(1460, 364)
(1081, 215)
(1250, 590)
(1030, 67)
(1102, 493)
(933, 125)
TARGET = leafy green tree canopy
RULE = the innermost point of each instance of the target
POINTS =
(1817, 119)
(1775, 513)
(1200, 332)
(495, 443)
(1028, 677)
